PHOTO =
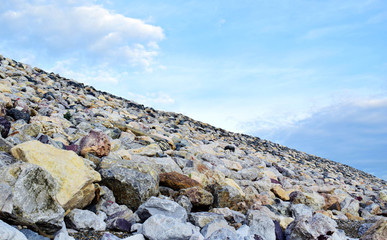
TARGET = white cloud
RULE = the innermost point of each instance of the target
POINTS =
(325, 31)
(87, 30)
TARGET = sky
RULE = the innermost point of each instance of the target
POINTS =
(307, 74)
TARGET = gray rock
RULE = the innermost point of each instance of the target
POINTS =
(130, 187)
(161, 227)
(201, 219)
(230, 215)
(317, 227)
(224, 234)
(262, 226)
(85, 220)
(244, 231)
(8, 232)
(62, 234)
(28, 193)
(301, 210)
(109, 236)
(185, 203)
(350, 205)
(160, 206)
(214, 226)
(364, 227)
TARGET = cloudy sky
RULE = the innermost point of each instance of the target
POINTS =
(308, 74)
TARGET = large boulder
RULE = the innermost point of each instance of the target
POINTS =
(75, 178)
(28, 197)
(130, 187)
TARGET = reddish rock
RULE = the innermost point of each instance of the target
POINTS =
(177, 181)
(97, 143)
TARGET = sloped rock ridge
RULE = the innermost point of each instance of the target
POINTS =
(78, 163)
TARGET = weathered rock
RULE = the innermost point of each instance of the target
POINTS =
(262, 226)
(177, 181)
(317, 227)
(8, 232)
(161, 227)
(95, 142)
(378, 231)
(301, 210)
(28, 197)
(163, 207)
(130, 187)
(75, 178)
(214, 226)
(350, 205)
(224, 234)
(184, 202)
(85, 220)
(280, 192)
(228, 195)
(201, 219)
(150, 150)
(313, 200)
(230, 215)
(199, 197)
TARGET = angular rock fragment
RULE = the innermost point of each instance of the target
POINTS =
(95, 142)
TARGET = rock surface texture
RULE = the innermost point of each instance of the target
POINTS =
(78, 163)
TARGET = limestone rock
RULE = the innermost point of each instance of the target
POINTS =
(75, 178)
(95, 142)
(214, 226)
(280, 192)
(317, 227)
(262, 226)
(161, 206)
(350, 205)
(28, 197)
(161, 227)
(85, 220)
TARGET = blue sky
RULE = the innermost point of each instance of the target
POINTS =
(311, 75)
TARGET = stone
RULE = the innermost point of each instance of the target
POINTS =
(201, 219)
(184, 202)
(177, 181)
(214, 226)
(109, 236)
(8, 232)
(199, 197)
(313, 200)
(150, 150)
(5, 126)
(17, 114)
(318, 226)
(301, 210)
(230, 215)
(62, 234)
(280, 192)
(262, 226)
(163, 207)
(161, 227)
(130, 187)
(75, 178)
(95, 142)
(224, 234)
(350, 205)
(383, 195)
(85, 220)
(28, 194)
(228, 195)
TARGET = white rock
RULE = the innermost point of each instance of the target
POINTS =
(8, 232)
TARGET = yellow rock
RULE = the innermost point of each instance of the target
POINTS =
(232, 183)
(74, 177)
(5, 88)
(51, 125)
(383, 196)
(270, 174)
(353, 217)
(232, 165)
(280, 192)
(285, 221)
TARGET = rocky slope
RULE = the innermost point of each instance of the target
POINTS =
(77, 162)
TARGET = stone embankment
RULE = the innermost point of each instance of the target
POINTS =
(80, 163)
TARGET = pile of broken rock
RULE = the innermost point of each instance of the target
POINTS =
(80, 163)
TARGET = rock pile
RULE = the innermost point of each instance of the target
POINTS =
(77, 162)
